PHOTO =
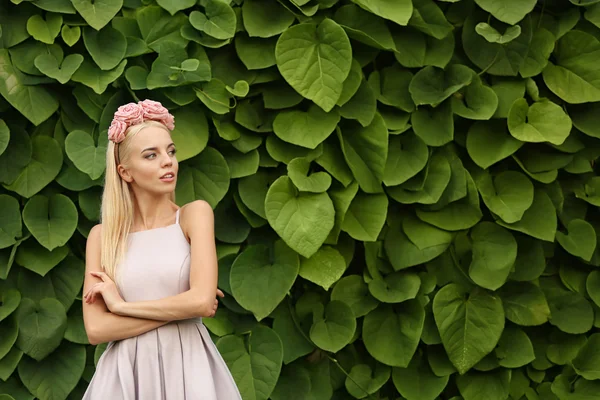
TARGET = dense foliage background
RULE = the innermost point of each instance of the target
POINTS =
(405, 191)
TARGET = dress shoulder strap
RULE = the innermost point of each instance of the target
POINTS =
(177, 215)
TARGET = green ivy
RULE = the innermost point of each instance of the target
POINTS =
(405, 191)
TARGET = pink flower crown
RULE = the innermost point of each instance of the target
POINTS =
(135, 113)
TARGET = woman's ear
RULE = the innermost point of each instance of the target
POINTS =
(124, 173)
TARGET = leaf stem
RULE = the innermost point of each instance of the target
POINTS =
(491, 64)
(333, 360)
(458, 266)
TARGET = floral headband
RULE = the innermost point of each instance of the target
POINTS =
(135, 113)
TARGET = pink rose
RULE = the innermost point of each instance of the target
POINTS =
(169, 122)
(116, 131)
(154, 110)
(130, 113)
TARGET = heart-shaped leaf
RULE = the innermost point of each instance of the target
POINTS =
(315, 60)
(587, 362)
(461, 214)
(4, 136)
(8, 364)
(37, 258)
(593, 286)
(54, 377)
(302, 220)
(46, 162)
(44, 30)
(97, 13)
(494, 254)
(362, 378)
(324, 268)
(477, 101)
(429, 19)
(570, 78)
(524, 303)
(544, 121)
(396, 287)
(9, 329)
(434, 125)
(62, 72)
(417, 381)
(9, 301)
(493, 36)
(470, 325)
(249, 272)
(34, 102)
(92, 76)
(570, 311)
(514, 348)
(10, 223)
(172, 6)
(294, 341)
(366, 216)
(426, 242)
(70, 35)
(88, 158)
(489, 142)
(106, 57)
(306, 129)
(364, 27)
(580, 240)
(240, 89)
(508, 195)
(539, 220)
(256, 367)
(391, 333)
(432, 85)
(353, 290)
(205, 177)
(293, 379)
(399, 12)
(407, 156)
(509, 11)
(365, 151)
(333, 330)
(41, 326)
(493, 385)
(263, 18)
(218, 20)
(52, 220)
(316, 182)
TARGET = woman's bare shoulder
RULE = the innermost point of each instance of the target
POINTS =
(95, 234)
(195, 216)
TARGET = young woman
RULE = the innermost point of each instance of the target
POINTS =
(151, 273)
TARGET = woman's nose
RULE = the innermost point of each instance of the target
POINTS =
(167, 160)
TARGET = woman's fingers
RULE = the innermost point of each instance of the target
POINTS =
(89, 296)
(220, 293)
(100, 275)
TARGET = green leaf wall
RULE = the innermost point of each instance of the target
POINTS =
(405, 191)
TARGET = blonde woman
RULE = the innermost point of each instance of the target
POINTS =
(151, 273)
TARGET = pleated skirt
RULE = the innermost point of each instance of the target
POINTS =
(178, 361)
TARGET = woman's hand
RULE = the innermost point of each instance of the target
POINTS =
(216, 303)
(107, 289)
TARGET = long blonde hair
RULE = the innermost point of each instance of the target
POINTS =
(117, 204)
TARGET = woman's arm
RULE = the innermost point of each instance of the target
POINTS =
(101, 325)
(199, 300)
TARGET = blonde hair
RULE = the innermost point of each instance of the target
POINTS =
(117, 204)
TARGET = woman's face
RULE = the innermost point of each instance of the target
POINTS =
(152, 156)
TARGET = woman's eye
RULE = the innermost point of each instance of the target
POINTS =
(153, 154)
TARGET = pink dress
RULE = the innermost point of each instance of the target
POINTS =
(176, 361)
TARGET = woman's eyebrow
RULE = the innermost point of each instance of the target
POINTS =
(156, 148)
